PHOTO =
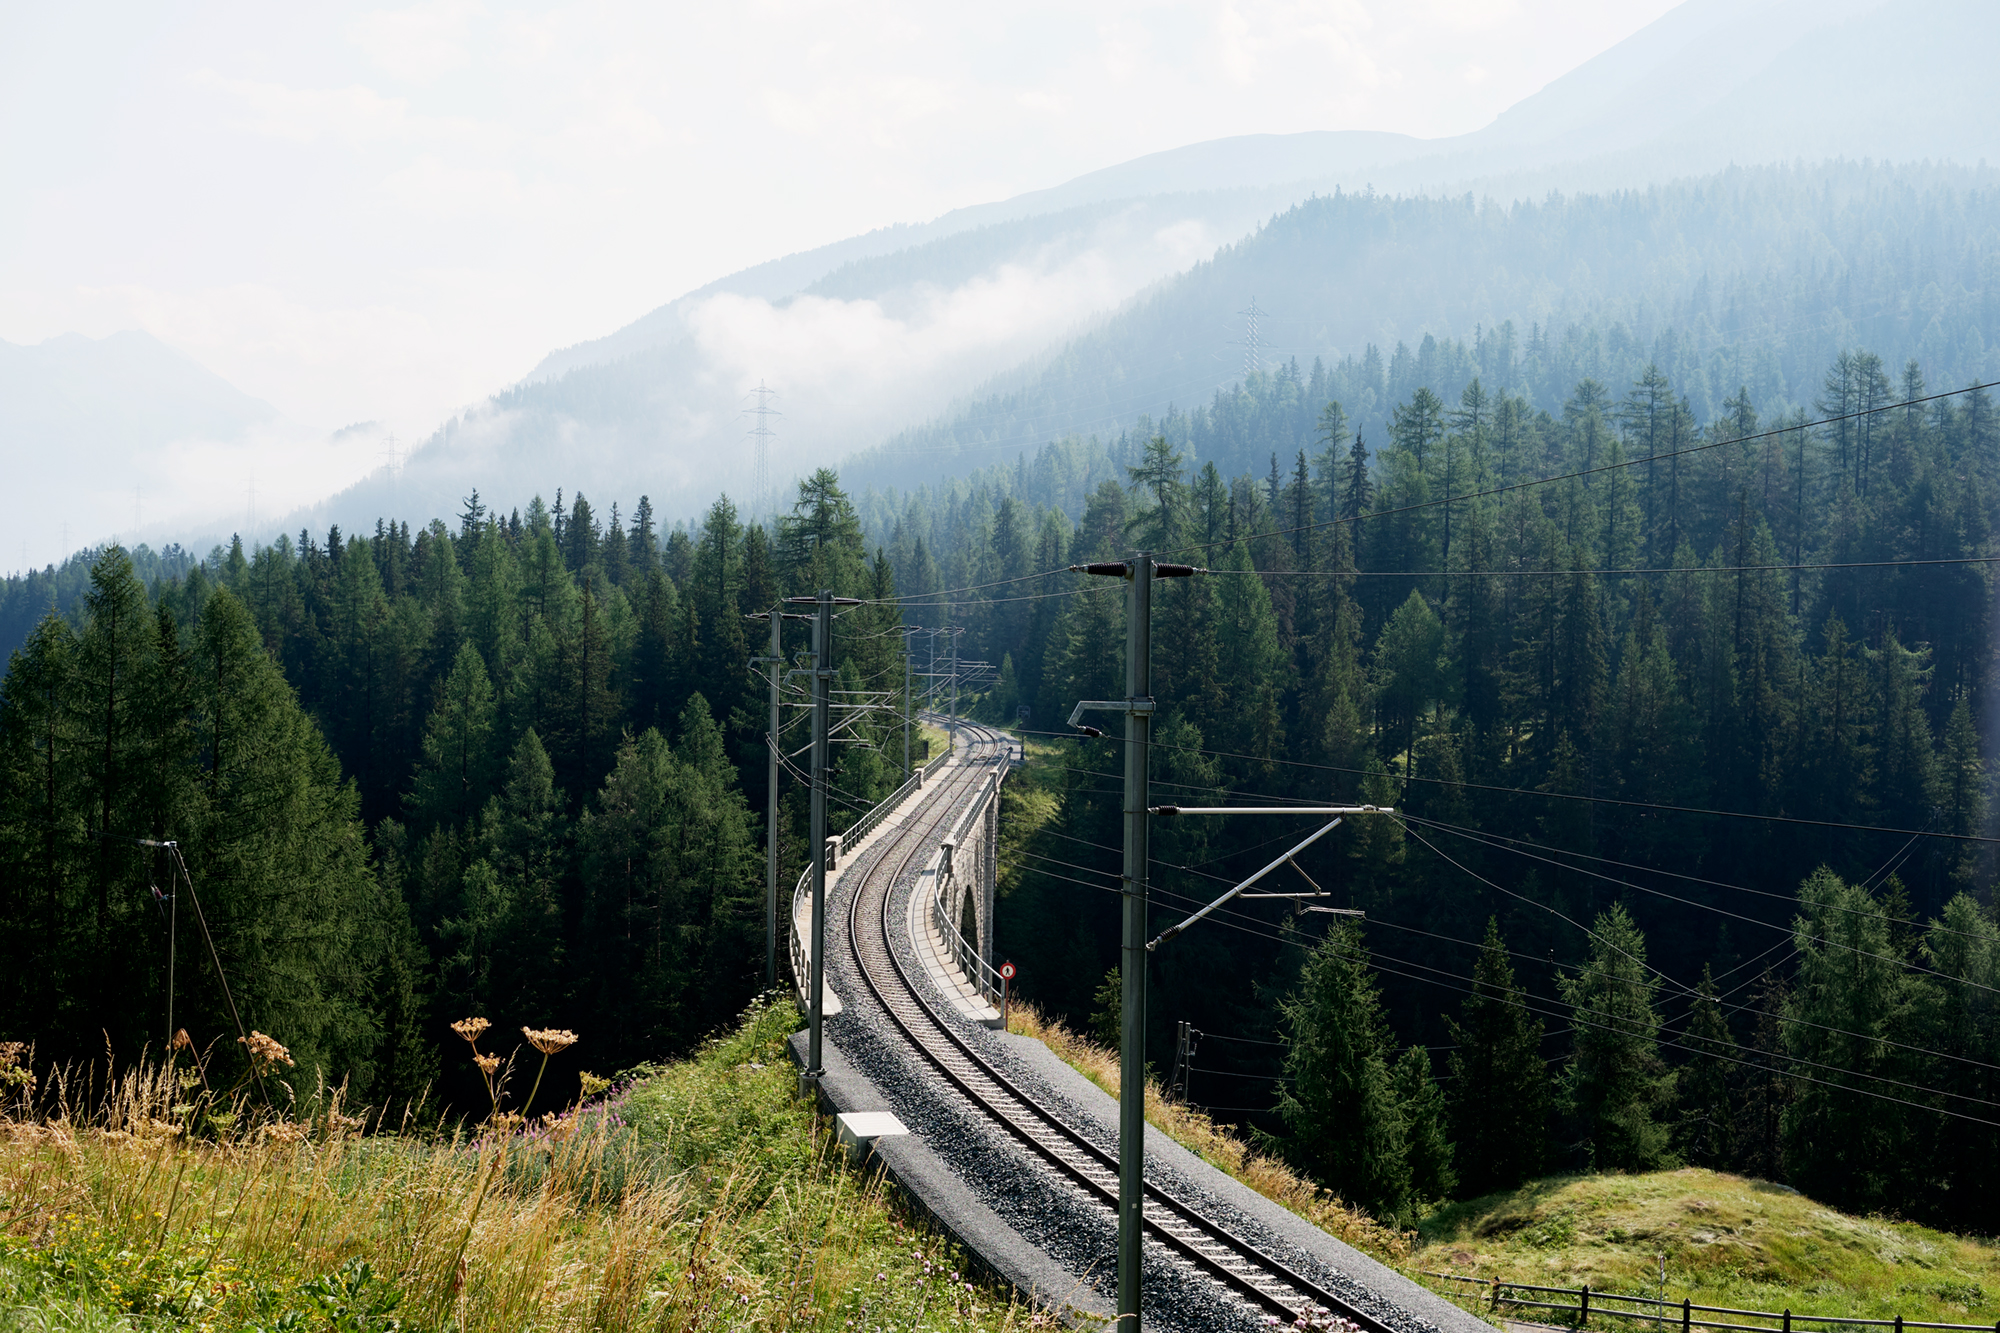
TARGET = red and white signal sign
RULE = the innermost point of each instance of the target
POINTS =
(1007, 971)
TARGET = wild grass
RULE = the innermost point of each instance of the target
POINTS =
(1218, 1145)
(1727, 1240)
(938, 738)
(700, 1196)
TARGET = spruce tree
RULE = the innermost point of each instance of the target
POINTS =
(527, 848)
(1427, 1135)
(1962, 787)
(1703, 1135)
(1963, 946)
(41, 822)
(1615, 1089)
(1410, 667)
(456, 772)
(275, 843)
(1762, 1090)
(1850, 992)
(1340, 1106)
(1497, 1082)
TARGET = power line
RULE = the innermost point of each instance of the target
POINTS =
(1697, 996)
(1550, 795)
(1451, 939)
(906, 599)
(1720, 911)
(1627, 1028)
(1693, 994)
(1576, 1016)
(1602, 573)
(1550, 910)
(1692, 879)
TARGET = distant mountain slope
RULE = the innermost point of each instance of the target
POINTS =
(857, 354)
(87, 422)
(125, 392)
(1256, 162)
(1745, 81)
(1754, 278)
(866, 337)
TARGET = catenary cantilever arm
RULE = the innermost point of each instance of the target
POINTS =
(1169, 810)
(1314, 837)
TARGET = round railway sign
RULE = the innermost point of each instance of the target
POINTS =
(1007, 971)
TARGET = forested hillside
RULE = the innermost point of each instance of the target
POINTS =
(1642, 716)
(1754, 278)
(489, 769)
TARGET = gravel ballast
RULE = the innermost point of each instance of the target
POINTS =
(1030, 1226)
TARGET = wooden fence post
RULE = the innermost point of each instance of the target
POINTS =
(1687, 1314)
(1583, 1311)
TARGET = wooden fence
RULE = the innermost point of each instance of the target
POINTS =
(1576, 1305)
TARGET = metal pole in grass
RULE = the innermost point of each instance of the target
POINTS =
(174, 850)
(169, 905)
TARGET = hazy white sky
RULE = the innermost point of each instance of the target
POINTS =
(385, 213)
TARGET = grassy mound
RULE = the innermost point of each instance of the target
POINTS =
(1727, 1241)
(702, 1196)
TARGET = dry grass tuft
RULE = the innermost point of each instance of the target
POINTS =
(1216, 1144)
(720, 1203)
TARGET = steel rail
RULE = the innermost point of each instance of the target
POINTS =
(1209, 1245)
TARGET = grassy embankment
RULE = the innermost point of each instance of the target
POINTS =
(1727, 1241)
(702, 1196)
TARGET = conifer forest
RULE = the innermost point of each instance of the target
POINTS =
(1687, 716)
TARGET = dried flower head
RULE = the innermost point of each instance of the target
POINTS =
(14, 1074)
(488, 1064)
(284, 1131)
(181, 1041)
(549, 1040)
(470, 1028)
(592, 1084)
(342, 1124)
(265, 1050)
(506, 1120)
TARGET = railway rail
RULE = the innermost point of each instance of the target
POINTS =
(1253, 1275)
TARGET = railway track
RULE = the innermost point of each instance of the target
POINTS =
(1256, 1277)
